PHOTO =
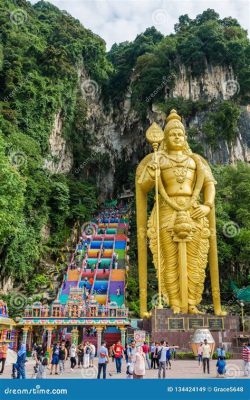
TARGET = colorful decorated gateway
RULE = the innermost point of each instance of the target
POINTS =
(90, 304)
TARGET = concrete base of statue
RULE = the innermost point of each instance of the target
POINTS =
(179, 329)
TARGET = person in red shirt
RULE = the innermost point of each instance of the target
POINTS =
(118, 351)
(246, 359)
(145, 349)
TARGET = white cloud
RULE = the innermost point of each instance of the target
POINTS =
(120, 20)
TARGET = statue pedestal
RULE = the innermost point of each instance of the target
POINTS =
(179, 329)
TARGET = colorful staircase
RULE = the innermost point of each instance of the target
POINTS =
(99, 275)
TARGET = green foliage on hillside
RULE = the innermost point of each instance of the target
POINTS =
(39, 62)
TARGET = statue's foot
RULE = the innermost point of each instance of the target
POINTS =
(220, 312)
(176, 309)
(193, 310)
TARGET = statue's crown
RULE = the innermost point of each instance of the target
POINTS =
(173, 121)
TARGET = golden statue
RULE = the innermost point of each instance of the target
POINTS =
(181, 228)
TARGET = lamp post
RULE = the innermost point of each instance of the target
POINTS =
(242, 315)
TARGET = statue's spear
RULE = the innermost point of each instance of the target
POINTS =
(155, 136)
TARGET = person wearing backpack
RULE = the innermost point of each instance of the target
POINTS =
(162, 355)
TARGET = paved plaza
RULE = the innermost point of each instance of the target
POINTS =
(180, 369)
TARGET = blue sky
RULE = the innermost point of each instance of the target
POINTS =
(120, 20)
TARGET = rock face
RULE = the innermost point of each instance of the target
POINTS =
(120, 133)
(61, 159)
(216, 82)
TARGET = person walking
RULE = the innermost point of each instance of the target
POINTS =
(86, 354)
(118, 350)
(157, 348)
(152, 352)
(162, 354)
(63, 354)
(206, 352)
(173, 352)
(168, 356)
(145, 349)
(199, 352)
(92, 355)
(3, 355)
(103, 360)
(72, 356)
(139, 363)
(80, 353)
(19, 366)
(55, 358)
(131, 351)
(246, 359)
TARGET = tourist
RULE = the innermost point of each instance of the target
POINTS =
(220, 351)
(3, 355)
(168, 356)
(55, 358)
(145, 349)
(221, 367)
(118, 350)
(206, 352)
(103, 360)
(118, 291)
(152, 352)
(42, 368)
(173, 352)
(126, 352)
(246, 359)
(19, 366)
(139, 363)
(199, 352)
(62, 357)
(116, 265)
(111, 352)
(92, 353)
(86, 354)
(157, 349)
(162, 355)
(80, 353)
(72, 356)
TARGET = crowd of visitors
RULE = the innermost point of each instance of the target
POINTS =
(133, 359)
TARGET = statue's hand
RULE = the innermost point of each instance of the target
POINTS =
(152, 167)
(200, 212)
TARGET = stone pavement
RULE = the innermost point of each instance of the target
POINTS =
(180, 369)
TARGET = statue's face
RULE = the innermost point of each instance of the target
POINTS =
(176, 139)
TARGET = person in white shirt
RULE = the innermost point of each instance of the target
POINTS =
(73, 356)
(86, 354)
(206, 353)
(92, 355)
